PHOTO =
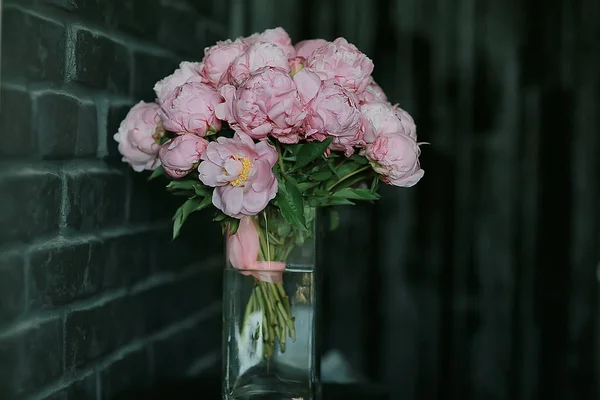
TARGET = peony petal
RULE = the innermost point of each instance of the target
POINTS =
(217, 199)
(409, 181)
(209, 173)
(233, 198)
(242, 248)
(267, 153)
(255, 201)
(270, 266)
(308, 84)
(233, 167)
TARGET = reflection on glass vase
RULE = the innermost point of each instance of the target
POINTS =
(269, 310)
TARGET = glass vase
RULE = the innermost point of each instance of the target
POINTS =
(269, 310)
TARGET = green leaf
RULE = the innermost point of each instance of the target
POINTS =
(232, 226)
(311, 151)
(184, 211)
(290, 202)
(317, 201)
(160, 171)
(350, 182)
(375, 184)
(337, 201)
(293, 149)
(182, 185)
(202, 190)
(346, 168)
(220, 217)
(322, 175)
(304, 186)
(356, 194)
(359, 159)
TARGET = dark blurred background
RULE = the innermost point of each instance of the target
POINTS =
(479, 283)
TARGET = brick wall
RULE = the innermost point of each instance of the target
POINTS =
(94, 298)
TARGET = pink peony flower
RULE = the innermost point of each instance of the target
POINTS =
(180, 154)
(139, 135)
(408, 123)
(306, 47)
(373, 92)
(187, 72)
(257, 56)
(242, 253)
(296, 64)
(396, 158)
(242, 174)
(266, 103)
(342, 62)
(334, 112)
(219, 57)
(191, 109)
(277, 36)
(243, 247)
(382, 118)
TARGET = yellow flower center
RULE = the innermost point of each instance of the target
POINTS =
(243, 176)
(159, 133)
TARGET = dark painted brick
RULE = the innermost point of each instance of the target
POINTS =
(12, 285)
(132, 16)
(98, 331)
(190, 246)
(177, 300)
(130, 373)
(178, 32)
(83, 389)
(15, 120)
(211, 34)
(30, 202)
(97, 199)
(64, 272)
(31, 360)
(175, 354)
(149, 199)
(116, 114)
(148, 70)
(213, 10)
(75, 132)
(128, 258)
(32, 47)
(101, 63)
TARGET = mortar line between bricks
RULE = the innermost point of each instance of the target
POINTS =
(19, 327)
(72, 89)
(70, 56)
(133, 346)
(162, 278)
(98, 386)
(101, 117)
(151, 282)
(74, 238)
(65, 203)
(203, 363)
(56, 15)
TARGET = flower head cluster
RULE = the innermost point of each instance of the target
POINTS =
(271, 94)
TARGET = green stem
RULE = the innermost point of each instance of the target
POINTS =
(268, 301)
(249, 310)
(358, 171)
(280, 158)
(263, 245)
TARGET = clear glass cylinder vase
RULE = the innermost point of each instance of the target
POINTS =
(270, 310)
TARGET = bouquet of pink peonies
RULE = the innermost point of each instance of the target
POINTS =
(263, 127)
